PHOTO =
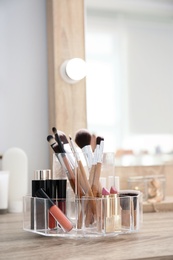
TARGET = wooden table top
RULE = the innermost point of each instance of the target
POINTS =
(153, 241)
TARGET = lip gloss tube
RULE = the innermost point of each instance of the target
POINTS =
(63, 221)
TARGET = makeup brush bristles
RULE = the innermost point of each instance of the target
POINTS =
(63, 137)
(83, 138)
(50, 139)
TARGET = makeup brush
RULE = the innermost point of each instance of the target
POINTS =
(57, 138)
(90, 205)
(64, 140)
(53, 144)
(83, 177)
(83, 140)
(72, 151)
(98, 154)
(67, 147)
(94, 179)
(61, 166)
(95, 156)
(65, 162)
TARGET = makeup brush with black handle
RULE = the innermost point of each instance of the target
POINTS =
(59, 150)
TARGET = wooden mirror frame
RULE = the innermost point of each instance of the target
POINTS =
(66, 40)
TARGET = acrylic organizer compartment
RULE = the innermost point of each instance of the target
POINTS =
(81, 199)
(84, 217)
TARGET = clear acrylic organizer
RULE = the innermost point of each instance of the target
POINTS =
(110, 217)
(85, 211)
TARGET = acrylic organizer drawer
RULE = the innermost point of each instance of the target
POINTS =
(84, 217)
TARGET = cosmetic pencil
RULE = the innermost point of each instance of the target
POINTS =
(60, 217)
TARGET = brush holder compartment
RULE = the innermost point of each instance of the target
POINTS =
(83, 174)
(110, 217)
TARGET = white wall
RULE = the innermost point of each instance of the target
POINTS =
(23, 80)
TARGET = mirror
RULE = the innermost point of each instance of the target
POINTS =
(129, 51)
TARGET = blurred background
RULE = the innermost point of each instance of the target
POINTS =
(129, 52)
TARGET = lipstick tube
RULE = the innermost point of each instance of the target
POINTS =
(37, 210)
(51, 190)
(60, 217)
(112, 210)
(108, 219)
(40, 177)
(115, 208)
(61, 194)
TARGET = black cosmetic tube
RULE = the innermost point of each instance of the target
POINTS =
(37, 210)
(61, 188)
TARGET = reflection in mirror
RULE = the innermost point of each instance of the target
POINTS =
(129, 51)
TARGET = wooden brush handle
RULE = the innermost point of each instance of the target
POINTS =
(95, 177)
(71, 177)
(91, 175)
(84, 182)
(90, 205)
(96, 181)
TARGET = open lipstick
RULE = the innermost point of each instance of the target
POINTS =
(61, 218)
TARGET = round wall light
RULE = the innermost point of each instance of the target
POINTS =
(73, 70)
